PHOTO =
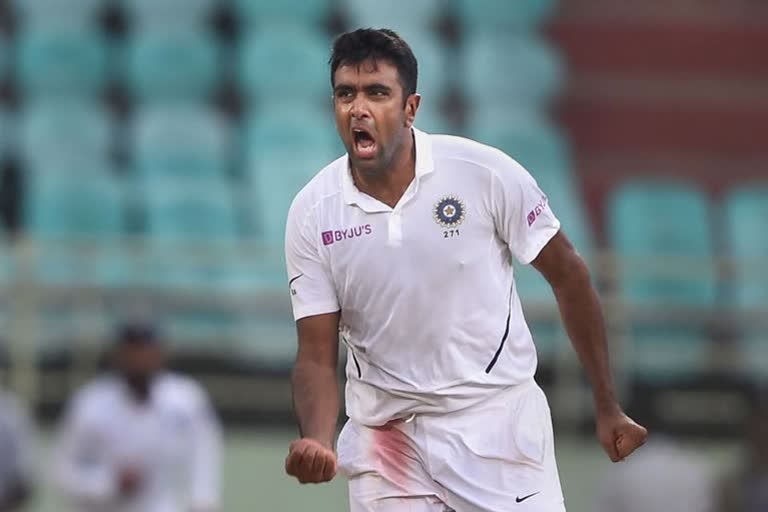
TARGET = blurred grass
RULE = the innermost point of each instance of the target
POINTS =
(254, 479)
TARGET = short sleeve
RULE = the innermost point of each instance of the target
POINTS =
(523, 217)
(311, 286)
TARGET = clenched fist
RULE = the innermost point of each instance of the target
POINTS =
(619, 435)
(310, 461)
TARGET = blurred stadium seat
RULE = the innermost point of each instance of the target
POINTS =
(58, 207)
(77, 217)
(54, 131)
(5, 55)
(285, 64)
(200, 212)
(663, 232)
(54, 13)
(301, 12)
(374, 14)
(502, 15)
(162, 14)
(61, 61)
(172, 65)
(746, 215)
(8, 133)
(433, 61)
(283, 151)
(183, 141)
(505, 70)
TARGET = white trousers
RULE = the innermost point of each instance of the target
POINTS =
(495, 456)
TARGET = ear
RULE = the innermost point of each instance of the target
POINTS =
(411, 107)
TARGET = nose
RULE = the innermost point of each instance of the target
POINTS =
(358, 108)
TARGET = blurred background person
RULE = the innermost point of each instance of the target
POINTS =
(746, 488)
(140, 438)
(16, 454)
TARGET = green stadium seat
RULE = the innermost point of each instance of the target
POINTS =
(667, 353)
(54, 13)
(505, 70)
(525, 135)
(394, 14)
(5, 57)
(54, 132)
(285, 64)
(172, 65)
(162, 14)
(181, 212)
(662, 230)
(57, 207)
(265, 14)
(500, 15)
(8, 136)
(297, 131)
(746, 218)
(276, 180)
(434, 64)
(61, 61)
(182, 141)
(67, 217)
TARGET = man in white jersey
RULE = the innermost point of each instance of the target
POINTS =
(139, 439)
(403, 248)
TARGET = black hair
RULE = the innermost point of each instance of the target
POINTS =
(377, 44)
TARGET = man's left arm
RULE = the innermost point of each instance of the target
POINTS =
(582, 316)
(206, 457)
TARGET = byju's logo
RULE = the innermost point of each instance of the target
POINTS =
(534, 214)
(339, 235)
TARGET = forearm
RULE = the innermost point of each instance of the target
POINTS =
(316, 400)
(583, 319)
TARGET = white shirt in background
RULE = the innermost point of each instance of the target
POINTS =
(174, 440)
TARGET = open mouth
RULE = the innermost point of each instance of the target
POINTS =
(364, 143)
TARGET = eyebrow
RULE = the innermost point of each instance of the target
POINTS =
(369, 87)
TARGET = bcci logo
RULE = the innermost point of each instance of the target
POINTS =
(449, 211)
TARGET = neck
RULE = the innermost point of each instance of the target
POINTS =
(388, 185)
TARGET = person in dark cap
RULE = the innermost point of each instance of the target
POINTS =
(139, 438)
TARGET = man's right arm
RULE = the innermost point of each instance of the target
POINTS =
(315, 398)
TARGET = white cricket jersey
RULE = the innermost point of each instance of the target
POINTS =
(429, 310)
(173, 440)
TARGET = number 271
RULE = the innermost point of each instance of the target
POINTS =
(450, 233)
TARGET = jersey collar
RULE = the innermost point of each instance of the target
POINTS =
(424, 165)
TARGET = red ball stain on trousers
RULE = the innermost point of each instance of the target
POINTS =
(391, 448)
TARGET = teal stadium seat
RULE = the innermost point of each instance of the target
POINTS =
(61, 61)
(172, 65)
(193, 233)
(8, 137)
(201, 212)
(285, 64)
(53, 132)
(265, 14)
(398, 15)
(60, 210)
(54, 13)
(524, 134)
(503, 15)
(666, 225)
(162, 14)
(746, 222)
(5, 57)
(181, 141)
(282, 153)
(662, 233)
(434, 65)
(502, 70)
